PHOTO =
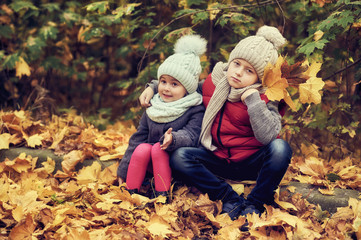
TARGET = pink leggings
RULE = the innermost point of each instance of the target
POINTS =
(139, 163)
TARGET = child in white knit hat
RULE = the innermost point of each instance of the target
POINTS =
(172, 121)
(239, 130)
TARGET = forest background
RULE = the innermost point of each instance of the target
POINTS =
(71, 73)
(95, 57)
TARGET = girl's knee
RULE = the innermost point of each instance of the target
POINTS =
(142, 149)
(156, 148)
(156, 145)
(144, 146)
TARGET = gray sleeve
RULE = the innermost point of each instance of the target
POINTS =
(154, 85)
(265, 118)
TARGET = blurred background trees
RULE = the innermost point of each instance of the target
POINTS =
(96, 57)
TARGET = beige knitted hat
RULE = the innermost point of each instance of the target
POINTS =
(185, 65)
(260, 49)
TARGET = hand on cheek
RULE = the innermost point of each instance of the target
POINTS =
(247, 93)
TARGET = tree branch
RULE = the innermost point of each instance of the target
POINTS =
(343, 69)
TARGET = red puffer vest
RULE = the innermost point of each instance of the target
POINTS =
(231, 130)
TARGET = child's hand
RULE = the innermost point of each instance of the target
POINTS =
(145, 97)
(120, 181)
(168, 139)
(247, 93)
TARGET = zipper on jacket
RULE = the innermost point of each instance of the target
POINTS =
(219, 126)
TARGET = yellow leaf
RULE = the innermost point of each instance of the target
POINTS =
(27, 201)
(213, 13)
(229, 233)
(19, 164)
(288, 100)
(283, 204)
(34, 140)
(358, 232)
(318, 35)
(5, 141)
(309, 91)
(102, 142)
(18, 213)
(276, 85)
(158, 226)
(24, 230)
(4, 189)
(355, 205)
(111, 156)
(71, 159)
(292, 189)
(22, 68)
(89, 174)
(238, 188)
(109, 174)
(309, 150)
(313, 69)
(329, 192)
(58, 138)
(49, 165)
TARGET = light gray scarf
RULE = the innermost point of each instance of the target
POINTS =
(221, 94)
(163, 112)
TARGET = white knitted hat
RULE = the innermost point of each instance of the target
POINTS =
(184, 65)
(260, 49)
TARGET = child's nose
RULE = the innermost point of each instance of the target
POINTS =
(167, 87)
(240, 71)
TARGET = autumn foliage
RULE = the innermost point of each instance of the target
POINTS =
(35, 204)
(38, 203)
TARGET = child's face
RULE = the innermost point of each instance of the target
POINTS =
(170, 89)
(241, 74)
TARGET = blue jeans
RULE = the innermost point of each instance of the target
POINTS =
(201, 168)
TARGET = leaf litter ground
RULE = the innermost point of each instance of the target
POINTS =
(88, 204)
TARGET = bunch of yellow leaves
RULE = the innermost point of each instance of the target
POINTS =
(277, 78)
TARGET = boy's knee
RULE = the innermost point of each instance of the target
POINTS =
(178, 159)
(281, 151)
(174, 158)
(281, 147)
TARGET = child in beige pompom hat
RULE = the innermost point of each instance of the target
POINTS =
(239, 130)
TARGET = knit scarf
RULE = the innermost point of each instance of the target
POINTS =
(163, 112)
(222, 92)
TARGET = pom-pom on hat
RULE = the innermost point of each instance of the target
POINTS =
(260, 49)
(185, 65)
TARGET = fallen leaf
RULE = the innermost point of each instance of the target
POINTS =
(158, 227)
(5, 140)
(89, 174)
(24, 230)
(34, 140)
(22, 68)
(71, 159)
(329, 192)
